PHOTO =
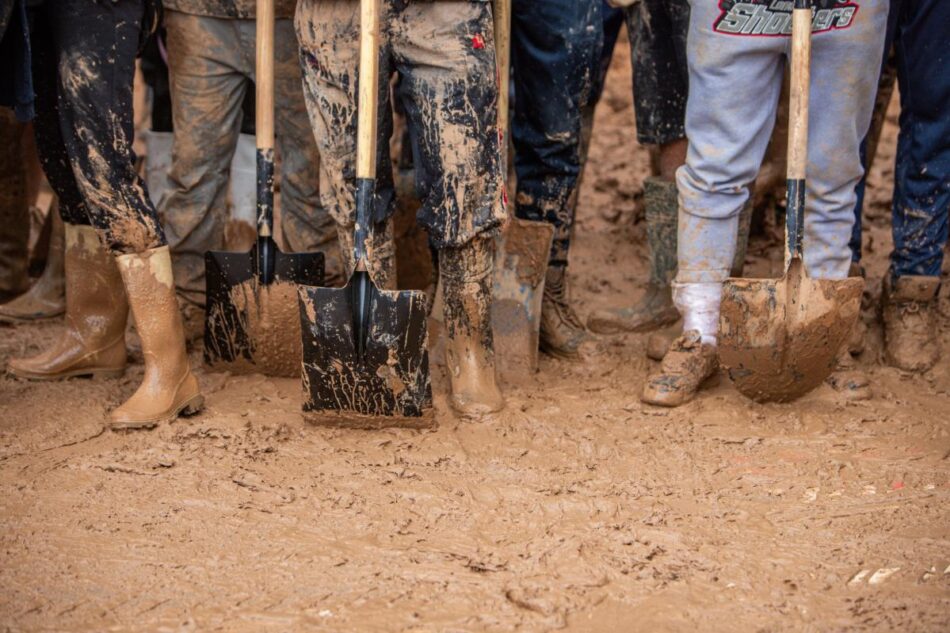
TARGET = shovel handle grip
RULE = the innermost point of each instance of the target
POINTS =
(366, 109)
(502, 15)
(264, 116)
(800, 75)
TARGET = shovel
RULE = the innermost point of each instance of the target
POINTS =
(779, 339)
(252, 323)
(523, 248)
(364, 349)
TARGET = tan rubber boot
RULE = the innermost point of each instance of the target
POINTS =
(466, 275)
(687, 365)
(93, 341)
(46, 298)
(910, 325)
(168, 387)
(380, 251)
(562, 332)
(655, 310)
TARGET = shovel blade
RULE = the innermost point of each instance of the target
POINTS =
(521, 260)
(779, 338)
(251, 327)
(392, 378)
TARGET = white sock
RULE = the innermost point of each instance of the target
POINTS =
(699, 305)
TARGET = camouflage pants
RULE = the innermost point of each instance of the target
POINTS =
(444, 52)
(210, 61)
(83, 66)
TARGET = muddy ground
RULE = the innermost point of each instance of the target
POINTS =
(577, 508)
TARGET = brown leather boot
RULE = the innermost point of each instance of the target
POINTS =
(466, 275)
(168, 387)
(562, 332)
(46, 298)
(687, 365)
(93, 341)
(910, 328)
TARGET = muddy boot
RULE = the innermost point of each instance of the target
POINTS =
(910, 327)
(93, 341)
(655, 310)
(168, 387)
(849, 380)
(466, 274)
(380, 253)
(46, 298)
(686, 366)
(856, 339)
(562, 332)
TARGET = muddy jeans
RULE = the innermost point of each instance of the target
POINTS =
(209, 62)
(920, 32)
(83, 66)
(555, 55)
(444, 52)
(736, 62)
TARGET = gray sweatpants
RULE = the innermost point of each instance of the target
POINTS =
(736, 53)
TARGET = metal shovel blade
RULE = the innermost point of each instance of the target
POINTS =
(521, 259)
(779, 338)
(252, 327)
(390, 380)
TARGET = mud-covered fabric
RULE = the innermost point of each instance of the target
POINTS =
(444, 52)
(211, 63)
(14, 207)
(737, 59)
(83, 68)
(555, 54)
(241, 9)
(922, 171)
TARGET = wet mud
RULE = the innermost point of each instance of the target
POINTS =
(577, 508)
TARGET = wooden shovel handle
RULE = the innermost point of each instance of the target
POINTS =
(800, 75)
(502, 14)
(264, 74)
(368, 90)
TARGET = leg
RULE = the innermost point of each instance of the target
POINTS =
(328, 35)
(445, 54)
(208, 82)
(14, 210)
(657, 31)
(734, 84)
(306, 225)
(555, 49)
(921, 194)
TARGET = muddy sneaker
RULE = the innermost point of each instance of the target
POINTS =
(909, 312)
(848, 380)
(562, 332)
(687, 365)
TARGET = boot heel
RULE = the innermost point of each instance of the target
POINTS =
(193, 406)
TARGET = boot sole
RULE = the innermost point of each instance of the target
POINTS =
(20, 320)
(617, 327)
(190, 407)
(75, 373)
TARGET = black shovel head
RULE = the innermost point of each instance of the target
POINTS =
(251, 327)
(391, 380)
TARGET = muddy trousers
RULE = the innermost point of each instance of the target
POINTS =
(920, 32)
(14, 208)
(734, 86)
(83, 67)
(210, 61)
(444, 53)
(555, 56)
